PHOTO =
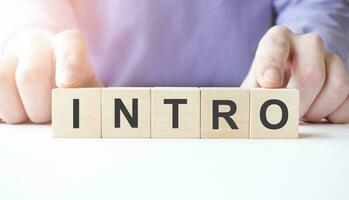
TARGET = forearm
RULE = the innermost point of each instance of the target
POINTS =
(45, 16)
(328, 18)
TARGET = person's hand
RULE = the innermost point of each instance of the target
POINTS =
(301, 61)
(34, 64)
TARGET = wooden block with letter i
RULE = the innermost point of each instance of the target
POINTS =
(175, 113)
(274, 113)
(126, 112)
(76, 113)
(225, 113)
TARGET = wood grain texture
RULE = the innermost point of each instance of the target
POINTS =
(188, 115)
(156, 113)
(142, 95)
(89, 113)
(240, 98)
(258, 97)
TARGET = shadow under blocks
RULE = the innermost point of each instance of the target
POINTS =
(175, 112)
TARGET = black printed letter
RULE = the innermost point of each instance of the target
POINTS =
(120, 107)
(75, 113)
(175, 103)
(263, 114)
(226, 115)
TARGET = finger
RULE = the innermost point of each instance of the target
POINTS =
(271, 57)
(33, 78)
(250, 81)
(11, 107)
(308, 69)
(73, 68)
(333, 93)
(341, 114)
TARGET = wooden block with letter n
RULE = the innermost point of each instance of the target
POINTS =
(76, 113)
(224, 113)
(126, 112)
(175, 113)
(274, 113)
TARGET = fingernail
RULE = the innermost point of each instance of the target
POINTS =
(272, 75)
(67, 77)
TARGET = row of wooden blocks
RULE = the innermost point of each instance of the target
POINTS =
(186, 112)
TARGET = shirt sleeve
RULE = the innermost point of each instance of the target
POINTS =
(328, 18)
(46, 16)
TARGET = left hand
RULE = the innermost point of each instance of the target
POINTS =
(300, 61)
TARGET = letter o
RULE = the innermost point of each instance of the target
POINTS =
(263, 114)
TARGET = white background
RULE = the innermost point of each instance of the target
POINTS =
(33, 165)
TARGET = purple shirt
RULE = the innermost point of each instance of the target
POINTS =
(186, 42)
(176, 42)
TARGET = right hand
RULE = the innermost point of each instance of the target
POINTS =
(35, 63)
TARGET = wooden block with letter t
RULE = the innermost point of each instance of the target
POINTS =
(274, 113)
(175, 113)
(225, 113)
(126, 112)
(76, 113)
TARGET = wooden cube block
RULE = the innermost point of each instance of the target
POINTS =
(225, 113)
(126, 112)
(274, 113)
(175, 113)
(76, 113)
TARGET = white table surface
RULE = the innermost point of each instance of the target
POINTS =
(33, 165)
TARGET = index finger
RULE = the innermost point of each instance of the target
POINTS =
(271, 57)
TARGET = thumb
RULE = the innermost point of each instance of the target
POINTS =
(73, 68)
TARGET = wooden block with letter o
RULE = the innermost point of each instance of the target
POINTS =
(126, 112)
(274, 113)
(225, 113)
(175, 113)
(76, 113)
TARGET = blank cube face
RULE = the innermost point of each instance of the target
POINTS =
(126, 112)
(274, 113)
(175, 113)
(76, 113)
(224, 113)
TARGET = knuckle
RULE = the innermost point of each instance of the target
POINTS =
(27, 77)
(32, 44)
(282, 30)
(15, 119)
(276, 40)
(72, 35)
(340, 86)
(4, 76)
(334, 57)
(277, 36)
(40, 119)
(311, 118)
(338, 120)
(313, 74)
(34, 39)
(13, 116)
(338, 81)
(315, 39)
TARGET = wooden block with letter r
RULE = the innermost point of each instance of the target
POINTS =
(76, 113)
(126, 112)
(175, 113)
(225, 113)
(274, 113)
